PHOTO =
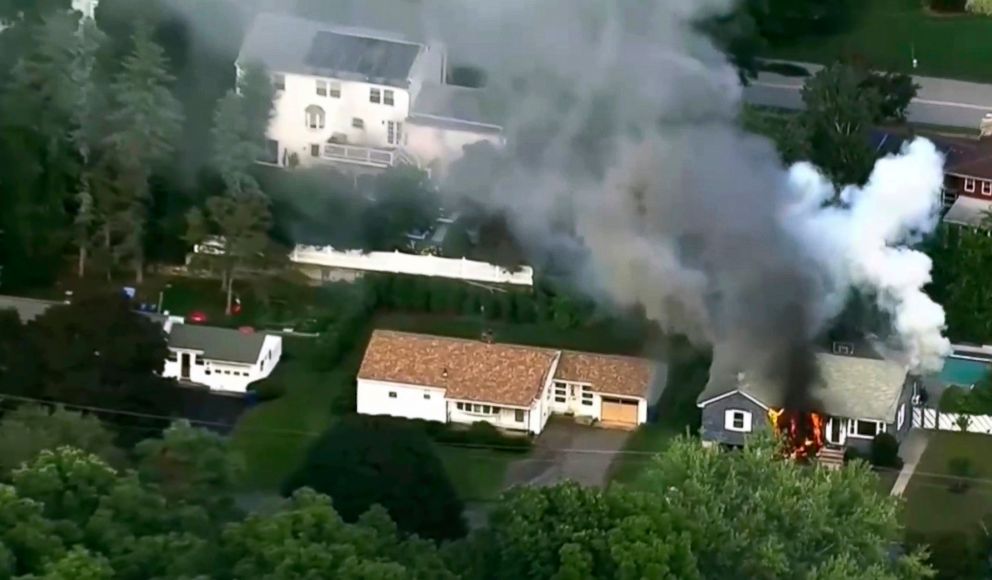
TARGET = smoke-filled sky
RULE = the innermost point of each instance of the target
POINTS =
(622, 124)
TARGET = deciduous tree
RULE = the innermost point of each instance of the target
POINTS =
(30, 429)
(365, 460)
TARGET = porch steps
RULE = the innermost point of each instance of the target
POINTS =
(831, 457)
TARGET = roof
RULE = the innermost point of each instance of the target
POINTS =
(505, 374)
(968, 211)
(451, 106)
(613, 375)
(849, 386)
(966, 156)
(290, 44)
(222, 344)
(27, 308)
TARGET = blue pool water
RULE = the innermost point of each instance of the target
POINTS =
(963, 372)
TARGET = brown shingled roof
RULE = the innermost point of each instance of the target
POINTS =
(612, 375)
(504, 374)
(972, 159)
(467, 369)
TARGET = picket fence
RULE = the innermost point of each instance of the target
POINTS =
(934, 419)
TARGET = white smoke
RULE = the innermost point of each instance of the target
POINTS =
(863, 244)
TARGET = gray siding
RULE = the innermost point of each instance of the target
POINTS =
(713, 419)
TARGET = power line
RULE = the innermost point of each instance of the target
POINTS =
(509, 449)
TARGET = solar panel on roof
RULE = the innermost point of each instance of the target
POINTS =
(369, 57)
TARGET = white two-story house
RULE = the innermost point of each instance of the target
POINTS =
(362, 97)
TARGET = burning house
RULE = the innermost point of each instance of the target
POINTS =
(855, 397)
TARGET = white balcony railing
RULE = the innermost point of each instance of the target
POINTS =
(370, 156)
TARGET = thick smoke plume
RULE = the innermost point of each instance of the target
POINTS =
(623, 140)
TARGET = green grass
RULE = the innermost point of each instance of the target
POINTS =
(651, 438)
(604, 339)
(884, 32)
(930, 505)
(477, 474)
(886, 479)
(274, 435)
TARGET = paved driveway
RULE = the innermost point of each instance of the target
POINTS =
(566, 450)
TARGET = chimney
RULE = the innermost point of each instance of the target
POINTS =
(985, 130)
(444, 373)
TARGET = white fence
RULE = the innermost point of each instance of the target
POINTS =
(416, 264)
(934, 419)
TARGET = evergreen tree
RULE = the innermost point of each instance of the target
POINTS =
(145, 122)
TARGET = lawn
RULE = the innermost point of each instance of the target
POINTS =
(930, 505)
(477, 474)
(274, 435)
(885, 33)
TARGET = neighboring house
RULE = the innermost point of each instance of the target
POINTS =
(222, 359)
(86, 7)
(513, 387)
(859, 397)
(967, 192)
(362, 97)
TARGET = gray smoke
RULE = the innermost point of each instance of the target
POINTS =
(624, 145)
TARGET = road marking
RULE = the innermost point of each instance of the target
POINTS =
(916, 100)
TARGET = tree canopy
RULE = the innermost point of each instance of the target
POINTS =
(365, 460)
(30, 429)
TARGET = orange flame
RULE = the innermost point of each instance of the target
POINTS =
(802, 433)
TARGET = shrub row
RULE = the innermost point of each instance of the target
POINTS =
(479, 434)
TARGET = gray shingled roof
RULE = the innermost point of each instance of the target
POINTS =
(27, 308)
(853, 387)
(223, 344)
(288, 44)
(437, 104)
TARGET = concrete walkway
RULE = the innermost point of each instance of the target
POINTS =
(910, 451)
(944, 102)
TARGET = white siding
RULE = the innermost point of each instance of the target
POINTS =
(290, 129)
(226, 376)
(401, 400)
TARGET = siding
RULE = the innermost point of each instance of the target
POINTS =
(410, 402)
(713, 419)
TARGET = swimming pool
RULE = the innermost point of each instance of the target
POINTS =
(963, 372)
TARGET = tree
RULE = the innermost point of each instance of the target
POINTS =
(30, 429)
(306, 538)
(979, 7)
(365, 460)
(192, 465)
(700, 513)
(895, 92)
(838, 116)
(784, 21)
(404, 201)
(145, 122)
(242, 224)
(97, 348)
(240, 124)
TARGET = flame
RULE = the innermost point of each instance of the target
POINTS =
(802, 433)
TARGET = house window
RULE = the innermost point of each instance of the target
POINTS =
(279, 82)
(901, 417)
(387, 98)
(518, 415)
(987, 188)
(315, 117)
(587, 402)
(172, 356)
(358, 123)
(863, 428)
(559, 399)
(314, 150)
(375, 96)
(322, 88)
(335, 89)
(394, 132)
(460, 406)
(392, 394)
(737, 420)
(198, 361)
(427, 396)
(969, 185)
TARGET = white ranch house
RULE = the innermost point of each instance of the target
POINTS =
(362, 97)
(513, 387)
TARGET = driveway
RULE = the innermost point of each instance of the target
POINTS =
(566, 451)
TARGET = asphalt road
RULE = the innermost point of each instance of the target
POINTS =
(943, 102)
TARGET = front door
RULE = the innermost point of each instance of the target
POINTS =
(184, 361)
(836, 431)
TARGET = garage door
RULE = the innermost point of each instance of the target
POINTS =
(619, 411)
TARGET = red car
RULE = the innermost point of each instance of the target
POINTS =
(197, 317)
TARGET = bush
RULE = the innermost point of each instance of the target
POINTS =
(963, 470)
(885, 451)
(268, 390)
(980, 7)
(481, 434)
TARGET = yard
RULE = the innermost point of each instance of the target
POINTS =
(930, 504)
(886, 33)
(477, 474)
